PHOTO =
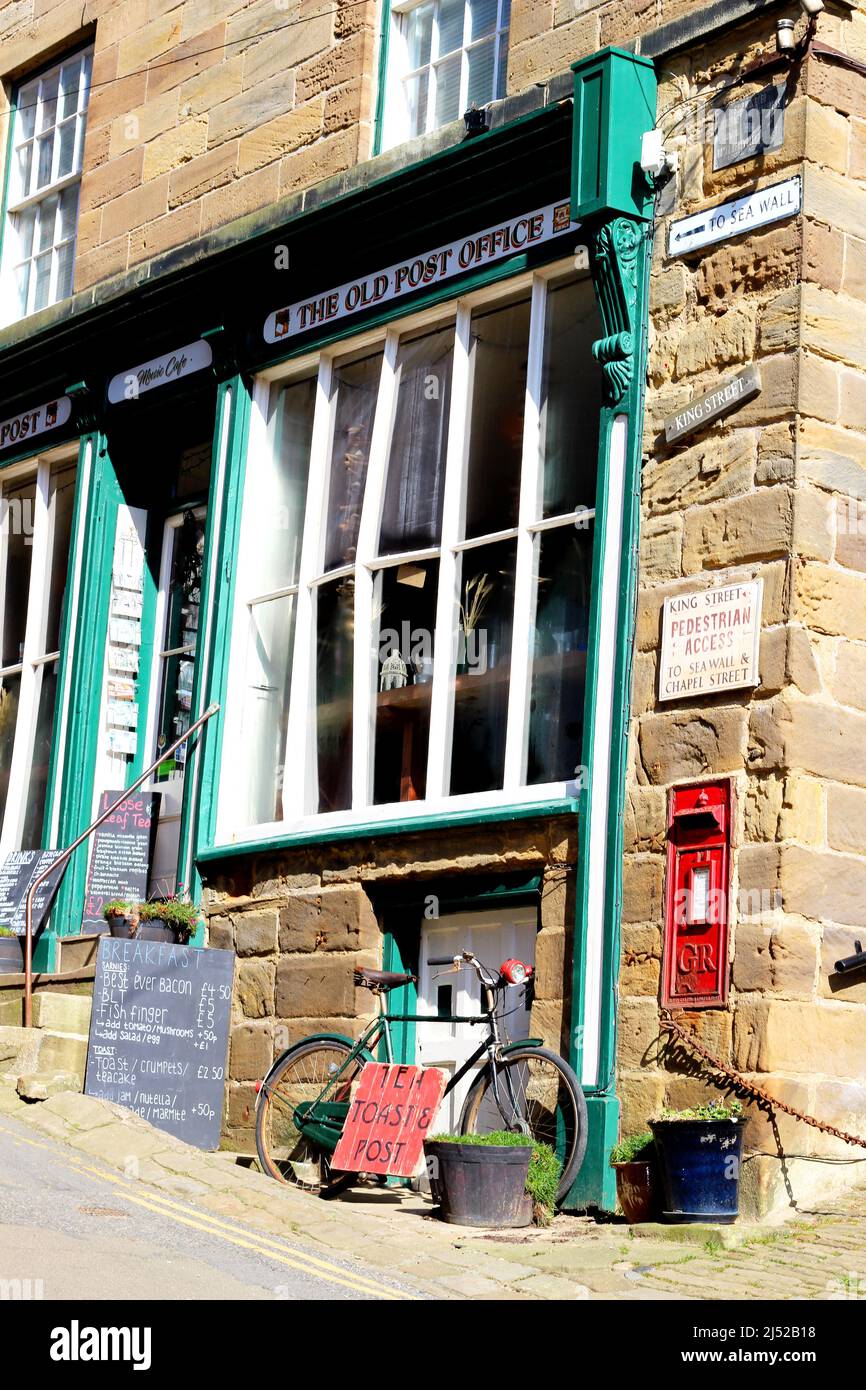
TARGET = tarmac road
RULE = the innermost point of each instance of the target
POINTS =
(73, 1234)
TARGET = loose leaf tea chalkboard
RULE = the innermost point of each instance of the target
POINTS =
(122, 851)
(17, 872)
(159, 1034)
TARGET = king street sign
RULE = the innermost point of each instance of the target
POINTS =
(724, 398)
(732, 219)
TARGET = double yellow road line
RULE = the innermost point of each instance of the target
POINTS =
(271, 1248)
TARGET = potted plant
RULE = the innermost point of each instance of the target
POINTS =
(633, 1161)
(122, 917)
(700, 1154)
(168, 919)
(496, 1180)
(11, 952)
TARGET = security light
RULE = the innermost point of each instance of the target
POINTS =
(812, 7)
(785, 36)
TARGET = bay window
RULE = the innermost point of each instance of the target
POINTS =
(414, 576)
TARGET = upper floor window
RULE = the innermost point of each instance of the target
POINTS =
(49, 115)
(444, 56)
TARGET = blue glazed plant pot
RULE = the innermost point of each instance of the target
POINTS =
(699, 1164)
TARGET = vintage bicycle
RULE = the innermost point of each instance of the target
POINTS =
(522, 1086)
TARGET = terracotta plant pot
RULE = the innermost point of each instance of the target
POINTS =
(635, 1188)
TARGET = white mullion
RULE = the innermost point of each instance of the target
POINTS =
(497, 30)
(433, 82)
(453, 524)
(464, 61)
(364, 665)
(25, 727)
(300, 792)
(492, 538)
(528, 550)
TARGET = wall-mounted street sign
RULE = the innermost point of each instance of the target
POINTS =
(751, 127)
(716, 403)
(18, 429)
(710, 641)
(159, 371)
(732, 219)
(510, 238)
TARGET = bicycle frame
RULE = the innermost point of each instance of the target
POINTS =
(321, 1120)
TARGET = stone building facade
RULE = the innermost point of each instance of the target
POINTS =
(222, 136)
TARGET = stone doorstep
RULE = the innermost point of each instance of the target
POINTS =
(699, 1233)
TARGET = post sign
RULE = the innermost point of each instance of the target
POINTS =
(714, 405)
(392, 1110)
(20, 429)
(511, 238)
(751, 127)
(732, 219)
(710, 641)
(120, 860)
(159, 371)
(17, 871)
(159, 1034)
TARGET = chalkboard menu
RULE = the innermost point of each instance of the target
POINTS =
(159, 1034)
(17, 872)
(122, 851)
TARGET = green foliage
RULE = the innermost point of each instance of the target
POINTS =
(638, 1148)
(542, 1180)
(173, 912)
(714, 1110)
(7, 931)
(117, 908)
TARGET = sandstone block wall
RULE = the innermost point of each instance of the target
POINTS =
(776, 491)
(301, 921)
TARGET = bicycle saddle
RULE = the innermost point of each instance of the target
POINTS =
(381, 980)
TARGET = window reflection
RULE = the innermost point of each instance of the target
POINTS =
(412, 514)
(334, 668)
(499, 352)
(483, 667)
(357, 386)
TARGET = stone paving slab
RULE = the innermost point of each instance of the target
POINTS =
(817, 1256)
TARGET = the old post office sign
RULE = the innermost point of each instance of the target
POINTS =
(19, 429)
(420, 272)
(159, 371)
(732, 219)
(710, 641)
(720, 401)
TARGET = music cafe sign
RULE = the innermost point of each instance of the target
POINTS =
(510, 238)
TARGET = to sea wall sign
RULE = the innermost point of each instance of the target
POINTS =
(421, 272)
(710, 641)
(732, 219)
(18, 429)
(159, 371)
(716, 403)
(159, 1034)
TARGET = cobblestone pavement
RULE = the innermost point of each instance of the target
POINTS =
(817, 1256)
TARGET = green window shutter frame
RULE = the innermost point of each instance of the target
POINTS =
(614, 105)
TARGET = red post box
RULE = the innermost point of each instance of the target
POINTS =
(697, 895)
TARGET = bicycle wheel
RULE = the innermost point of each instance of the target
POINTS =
(548, 1101)
(283, 1150)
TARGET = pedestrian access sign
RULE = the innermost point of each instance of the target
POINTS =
(392, 1111)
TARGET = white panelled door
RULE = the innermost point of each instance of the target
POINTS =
(493, 936)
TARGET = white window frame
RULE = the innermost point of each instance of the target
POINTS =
(300, 789)
(33, 655)
(396, 124)
(21, 199)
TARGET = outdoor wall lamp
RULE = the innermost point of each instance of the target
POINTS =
(855, 962)
(785, 41)
(812, 7)
(475, 120)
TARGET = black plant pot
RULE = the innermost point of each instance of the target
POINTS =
(156, 930)
(480, 1184)
(699, 1165)
(11, 955)
(121, 926)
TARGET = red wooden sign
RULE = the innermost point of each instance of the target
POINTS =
(390, 1113)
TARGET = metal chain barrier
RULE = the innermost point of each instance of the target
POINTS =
(670, 1025)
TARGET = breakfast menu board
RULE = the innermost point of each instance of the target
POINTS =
(17, 872)
(122, 850)
(159, 1034)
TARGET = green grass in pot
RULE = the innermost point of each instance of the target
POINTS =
(542, 1180)
(638, 1148)
(713, 1110)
